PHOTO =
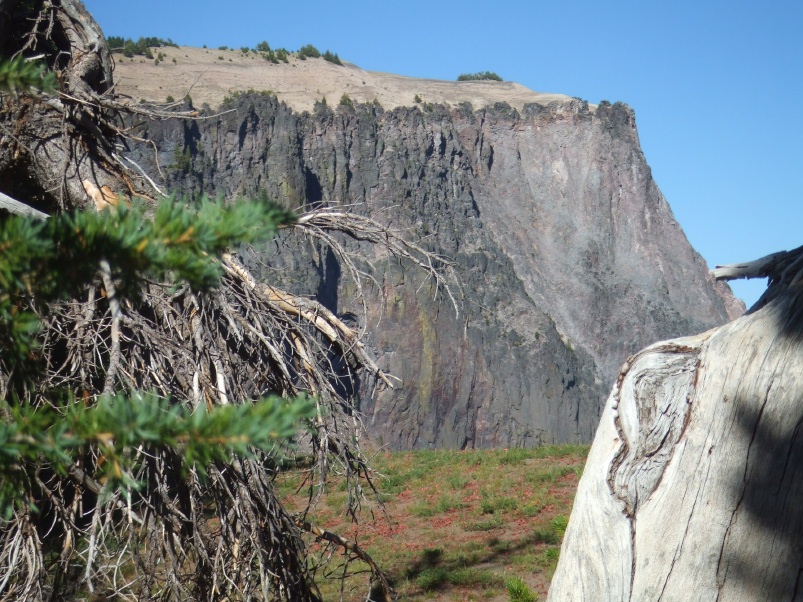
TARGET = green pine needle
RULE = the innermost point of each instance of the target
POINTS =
(19, 75)
(117, 426)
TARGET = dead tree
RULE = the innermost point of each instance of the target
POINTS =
(693, 488)
(53, 143)
(180, 537)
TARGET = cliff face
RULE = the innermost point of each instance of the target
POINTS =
(568, 253)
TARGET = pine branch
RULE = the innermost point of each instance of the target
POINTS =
(118, 425)
(19, 75)
(55, 259)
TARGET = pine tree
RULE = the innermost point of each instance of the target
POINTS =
(132, 336)
(121, 449)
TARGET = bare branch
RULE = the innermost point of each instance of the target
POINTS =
(116, 316)
(759, 268)
(17, 208)
(352, 547)
(320, 221)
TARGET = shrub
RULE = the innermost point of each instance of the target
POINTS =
(141, 47)
(182, 159)
(263, 47)
(332, 58)
(170, 99)
(222, 47)
(479, 76)
(115, 43)
(308, 51)
(345, 101)
(235, 94)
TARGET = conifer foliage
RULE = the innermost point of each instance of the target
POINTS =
(47, 262)
(75, 316)
(145, 372)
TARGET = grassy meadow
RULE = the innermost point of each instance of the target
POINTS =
(453, 525)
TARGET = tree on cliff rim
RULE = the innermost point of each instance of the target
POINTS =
(216, 531)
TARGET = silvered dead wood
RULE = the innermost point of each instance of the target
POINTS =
(181, 535)
(691, 490)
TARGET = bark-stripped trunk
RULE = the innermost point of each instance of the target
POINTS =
(693, 489)
(52, 145)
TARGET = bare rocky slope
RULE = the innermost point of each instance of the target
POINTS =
(209, 76)
(569, 255)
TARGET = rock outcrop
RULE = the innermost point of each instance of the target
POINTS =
(569, 255)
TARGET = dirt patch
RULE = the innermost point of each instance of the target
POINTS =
(209, 75)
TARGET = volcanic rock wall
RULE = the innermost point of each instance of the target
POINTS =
(569, 256)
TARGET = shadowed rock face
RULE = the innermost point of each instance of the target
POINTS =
(569, 255)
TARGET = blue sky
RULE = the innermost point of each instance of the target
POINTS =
(716, 86)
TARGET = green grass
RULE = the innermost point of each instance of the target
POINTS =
(559, 524)
(531, 509)
(457, 481)
(445, 503)
(517, 591)
(515, 456)
(458, 522)
(490, 524)
(547, 536)
(492, 505)
(550, 474)
(437, 577)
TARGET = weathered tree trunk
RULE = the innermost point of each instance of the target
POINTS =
(54, 146)
(693, 489)
(179, 537)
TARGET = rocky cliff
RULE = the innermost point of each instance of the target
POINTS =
(569, 256)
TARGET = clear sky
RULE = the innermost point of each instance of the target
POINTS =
(716, 85)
